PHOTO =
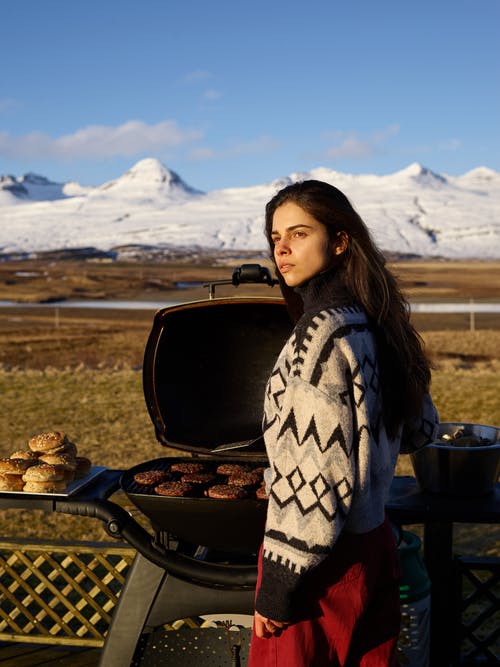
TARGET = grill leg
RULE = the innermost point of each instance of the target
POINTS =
(136, 599)
(438, 553)
(152, 597)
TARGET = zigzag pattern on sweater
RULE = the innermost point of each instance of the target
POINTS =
(311, 434)
(298, 486)
(308, 496)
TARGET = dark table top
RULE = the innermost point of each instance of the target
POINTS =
(407, 504)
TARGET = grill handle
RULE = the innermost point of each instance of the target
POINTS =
(246, 273)
(119, 524)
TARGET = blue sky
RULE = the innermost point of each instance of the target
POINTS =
(233, 94)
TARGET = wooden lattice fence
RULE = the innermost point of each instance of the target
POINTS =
(65, 594)
(478, 593)
(60, 593)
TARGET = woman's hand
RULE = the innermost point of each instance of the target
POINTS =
(266, 628)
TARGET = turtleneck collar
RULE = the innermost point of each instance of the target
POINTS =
(326, 290)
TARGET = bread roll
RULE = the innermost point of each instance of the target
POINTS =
(44, 487)
(64, 461)
(15, 466)
(43, 472)
(24, 454)
(83, 466)
(11, 482)
(68, 448)
(44, 442)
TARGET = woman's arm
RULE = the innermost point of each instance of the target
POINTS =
(313, 462)
(421, 430)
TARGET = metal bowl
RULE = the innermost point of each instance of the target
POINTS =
(468, 465)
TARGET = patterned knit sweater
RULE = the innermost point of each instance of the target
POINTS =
(331, 460)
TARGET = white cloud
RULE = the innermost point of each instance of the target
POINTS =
(212, 95)
(202, 153)
(445, 146)
(351, 145)
(99, 141)
(264, 144)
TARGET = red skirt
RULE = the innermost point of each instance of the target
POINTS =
(349, 609)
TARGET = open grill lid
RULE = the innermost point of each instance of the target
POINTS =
(205, 368)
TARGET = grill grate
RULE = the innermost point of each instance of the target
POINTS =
(129, 485)
(236, 525)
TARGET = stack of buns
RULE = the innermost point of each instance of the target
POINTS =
(50, 463)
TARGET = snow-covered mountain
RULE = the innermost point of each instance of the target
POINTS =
(412, 212)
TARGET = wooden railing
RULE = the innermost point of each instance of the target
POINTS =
(60, 593)
(478, 603)
(65, 593)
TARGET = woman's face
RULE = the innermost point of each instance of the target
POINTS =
(302, 247)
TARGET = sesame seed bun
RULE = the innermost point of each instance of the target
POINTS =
(15, 466)
(44, 442)
(43, 472)
(44, 487)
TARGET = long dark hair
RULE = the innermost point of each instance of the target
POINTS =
(404, 368)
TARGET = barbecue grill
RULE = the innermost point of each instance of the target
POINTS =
(204, 373)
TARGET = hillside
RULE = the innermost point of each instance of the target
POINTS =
(150, 209)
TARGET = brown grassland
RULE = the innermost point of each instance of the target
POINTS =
(79, 370)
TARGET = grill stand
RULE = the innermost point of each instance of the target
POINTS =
(163, 584)
(151, 597)
(159, 582)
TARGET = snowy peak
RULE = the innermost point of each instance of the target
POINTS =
(482, 175)
(422, 175)
(152, 170)
(35, 179)
(147, 177)
(11, 186)
(32, 187)
(483, 172)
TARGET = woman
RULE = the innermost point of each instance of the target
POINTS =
(349, 391)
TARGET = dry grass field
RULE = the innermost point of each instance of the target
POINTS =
(79, 370)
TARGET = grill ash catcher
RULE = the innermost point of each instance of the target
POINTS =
(206, 364)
